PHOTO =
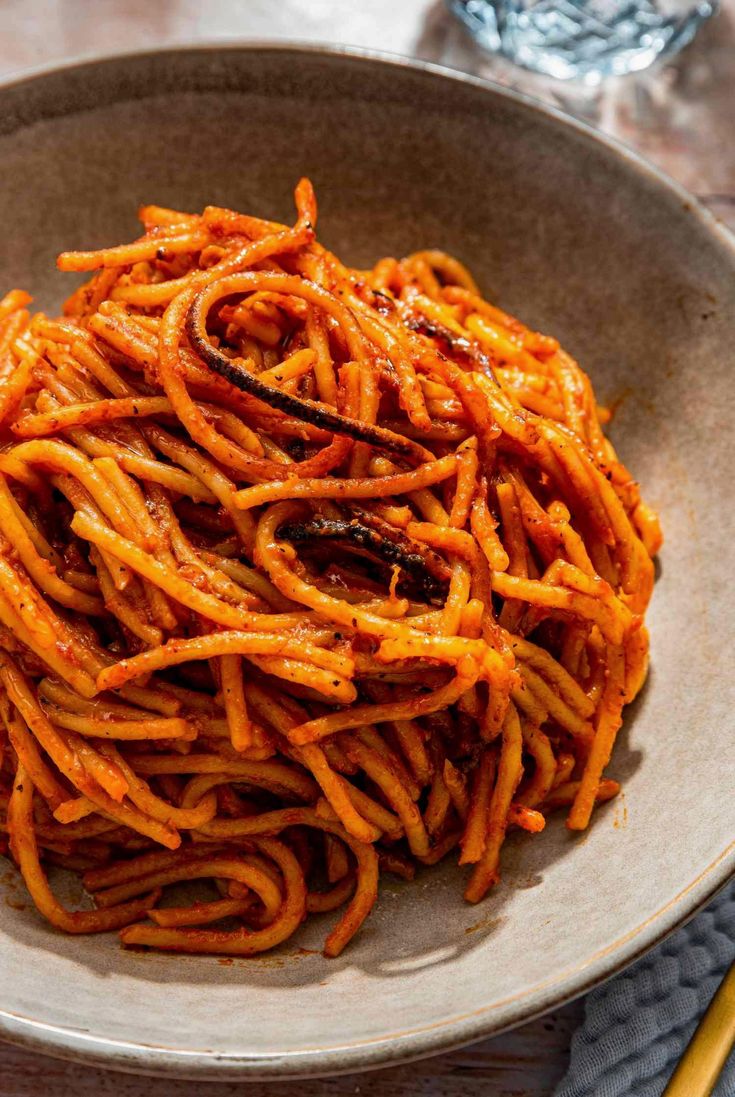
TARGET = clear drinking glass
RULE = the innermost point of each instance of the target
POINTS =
(583, 39)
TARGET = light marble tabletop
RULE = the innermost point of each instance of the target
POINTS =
(679, 116)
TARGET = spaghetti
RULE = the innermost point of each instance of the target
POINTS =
(306, 573)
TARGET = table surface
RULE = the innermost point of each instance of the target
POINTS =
(679, 116)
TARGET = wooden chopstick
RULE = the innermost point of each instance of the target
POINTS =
(701, 1064)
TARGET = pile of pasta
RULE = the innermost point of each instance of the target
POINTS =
(307, 573)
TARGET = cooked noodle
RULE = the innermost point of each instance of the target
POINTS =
(305, 573)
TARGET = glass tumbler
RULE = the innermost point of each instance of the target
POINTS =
(583, 39)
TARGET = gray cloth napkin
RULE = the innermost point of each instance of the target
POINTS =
(637, 1025)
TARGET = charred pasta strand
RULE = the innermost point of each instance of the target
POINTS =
(305, 573)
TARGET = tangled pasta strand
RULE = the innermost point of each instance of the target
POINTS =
(306, 573)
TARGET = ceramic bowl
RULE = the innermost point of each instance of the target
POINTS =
(579, 238)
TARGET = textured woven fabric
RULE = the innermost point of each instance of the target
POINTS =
(637, 1025)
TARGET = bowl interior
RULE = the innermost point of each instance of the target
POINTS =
(580, 241)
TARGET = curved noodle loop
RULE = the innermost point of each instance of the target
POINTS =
(305, 573)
